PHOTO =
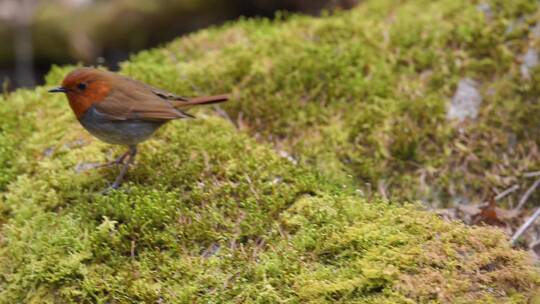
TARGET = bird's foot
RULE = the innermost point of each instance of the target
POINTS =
(109, 189)
(130, 155)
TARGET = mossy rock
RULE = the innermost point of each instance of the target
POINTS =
(364, 93)
(211, 215)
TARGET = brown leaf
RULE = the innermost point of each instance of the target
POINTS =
(488, 213)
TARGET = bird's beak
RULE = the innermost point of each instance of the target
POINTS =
(58, 90)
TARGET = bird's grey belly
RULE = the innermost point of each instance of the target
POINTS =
(121, 132)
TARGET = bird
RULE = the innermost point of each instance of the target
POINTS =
(123, 111)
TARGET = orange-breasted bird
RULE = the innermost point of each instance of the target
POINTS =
(123, 111)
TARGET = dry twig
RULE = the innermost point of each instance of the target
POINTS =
(506, 192)
(525, 226)
(532, 174)
(525, 196)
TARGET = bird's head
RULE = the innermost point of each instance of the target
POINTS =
(85, 87)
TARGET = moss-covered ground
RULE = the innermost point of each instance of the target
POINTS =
(211, 213)
(364, 93)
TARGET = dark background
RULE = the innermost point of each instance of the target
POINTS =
(40, 33)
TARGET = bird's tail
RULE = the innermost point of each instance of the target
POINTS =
(200, 101)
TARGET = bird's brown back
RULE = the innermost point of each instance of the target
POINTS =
(122, 98)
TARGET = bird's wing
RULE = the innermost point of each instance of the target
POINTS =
(159, 92)
(135, 100)
(168, 95)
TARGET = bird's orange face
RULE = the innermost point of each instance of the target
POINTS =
(84, 88)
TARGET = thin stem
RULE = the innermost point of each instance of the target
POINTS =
(506, 192)
(525, 226)
(528, 193)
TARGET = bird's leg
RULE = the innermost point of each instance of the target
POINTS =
(118, 161)
(131, 156)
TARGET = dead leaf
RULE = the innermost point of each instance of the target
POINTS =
(488, 213)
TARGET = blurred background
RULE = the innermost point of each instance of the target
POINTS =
(40, 33)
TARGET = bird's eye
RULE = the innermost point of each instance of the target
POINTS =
(81, 86)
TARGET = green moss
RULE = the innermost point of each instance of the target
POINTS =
(198, 223)
(370, 86)
(210, 214)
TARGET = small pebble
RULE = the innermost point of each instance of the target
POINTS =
(466, 101)
(530, 61)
